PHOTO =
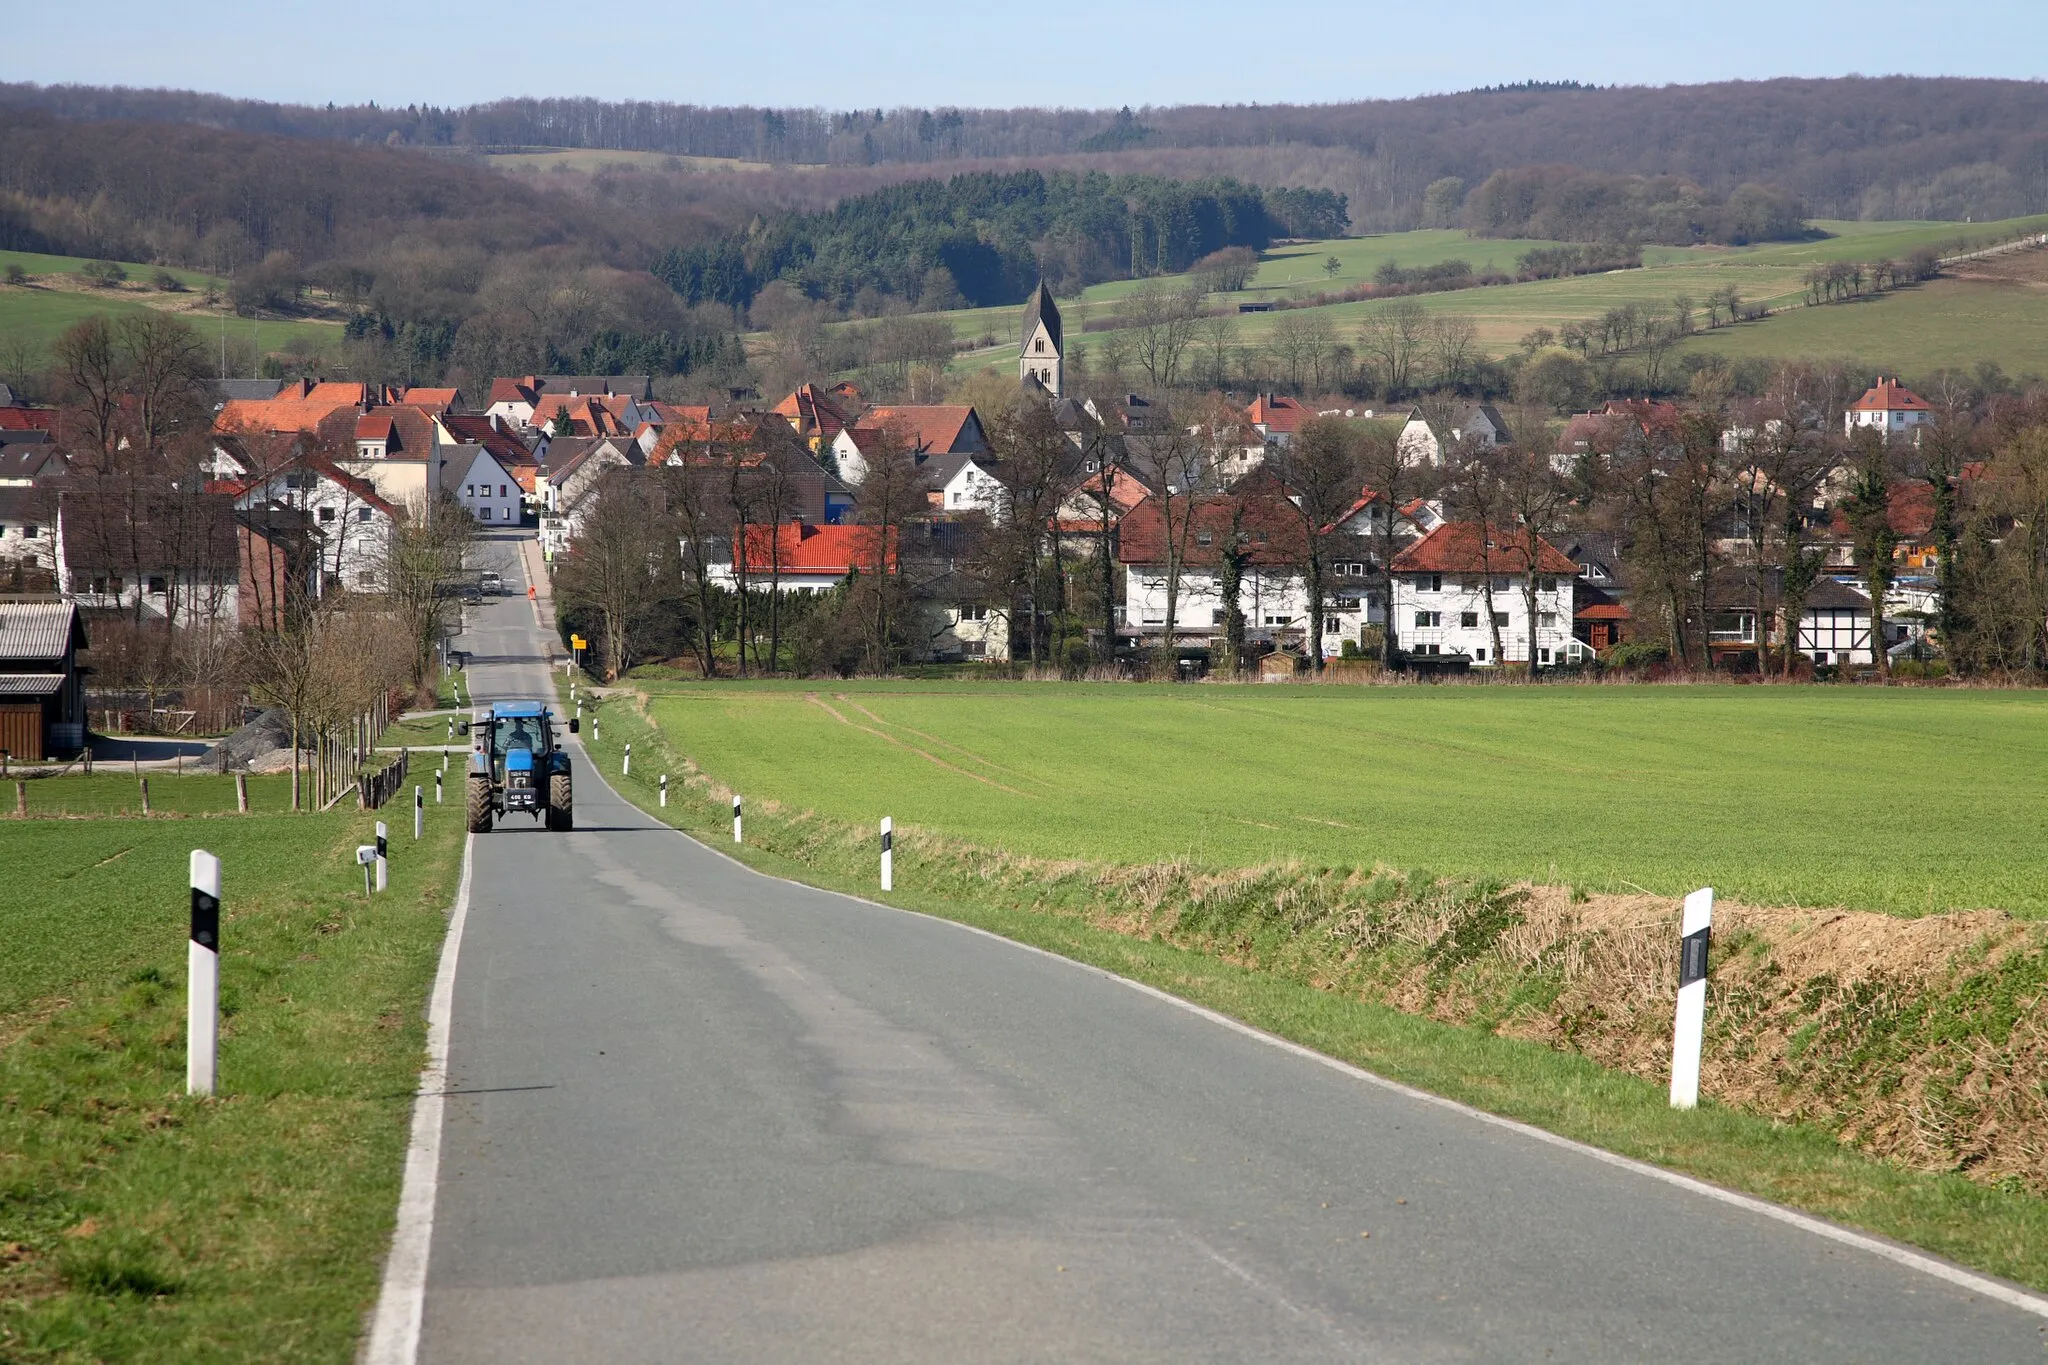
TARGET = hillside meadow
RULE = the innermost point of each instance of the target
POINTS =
(1949, 322)
(1908, 802)
(56, 297)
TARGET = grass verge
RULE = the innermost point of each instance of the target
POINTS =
(2000, 1230)
(138, 1223)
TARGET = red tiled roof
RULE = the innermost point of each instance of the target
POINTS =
(474, 429)
(936, 427)
(803, 548)
(1890, 396)
(1271, 525)
(280, 414)
(374, 426)
(1468, 547)
(588, 414)
(335, 392)
(1276, 413)
(525, 390)
(1602, 611)
(28, 419)
(811, 411)
(436, 400)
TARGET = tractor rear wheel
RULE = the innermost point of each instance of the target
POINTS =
(479, 805)
(561, 803)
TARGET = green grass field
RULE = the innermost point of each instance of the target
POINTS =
(1897, 800)
(139, 1224)
(1952, 323)
(37, 313)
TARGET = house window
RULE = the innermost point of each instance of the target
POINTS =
(1542, 656)
(1469, 620)
(1547, 583)
(157, 586)
(1500, 618)
(1479, 655)
(1429, 619)
(326, 515)
(1205, 538)
(1429, 582)
(469, 490)
(974, 613)
(501, 491)
(1332, 626)
(485, 513)
(1502, 583)
(1274, 619)
(31, 531)
(362, 514)
(1546, 618)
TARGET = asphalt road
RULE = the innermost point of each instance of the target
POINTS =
(700, 1114)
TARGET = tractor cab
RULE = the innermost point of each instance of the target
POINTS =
(518, 765)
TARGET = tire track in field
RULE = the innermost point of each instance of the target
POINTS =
(946, 744)
(825, 706)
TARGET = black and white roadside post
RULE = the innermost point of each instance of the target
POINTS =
(736, 817)
(202, 974)
(451, 729)
(888, 853)
(419, 811)
(1690, 1028)
(383, 856)
(664, 791)
(437, 782)
(626, 764)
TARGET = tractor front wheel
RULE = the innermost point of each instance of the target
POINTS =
(561, 803)
(479, 805)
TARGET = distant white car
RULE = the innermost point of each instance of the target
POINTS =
(493, 584)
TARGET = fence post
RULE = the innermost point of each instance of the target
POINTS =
(145, 794)
(888, 853)
(1689, 1029)
(21, 799)
(241, 793)
(419, 811)
(202, 976)
(383, 856)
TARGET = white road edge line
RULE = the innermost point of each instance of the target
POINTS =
(401, 1303)
(2011, 1295)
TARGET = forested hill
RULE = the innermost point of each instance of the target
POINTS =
(1888, 147)
(982, 239)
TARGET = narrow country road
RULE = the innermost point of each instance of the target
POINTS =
(698, 1114)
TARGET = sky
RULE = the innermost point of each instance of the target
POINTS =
(971, 53)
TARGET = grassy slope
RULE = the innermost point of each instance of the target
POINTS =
(38, 313)
(138, 1224)
(1995, 1230)
(1940, 332)
(1779, 796)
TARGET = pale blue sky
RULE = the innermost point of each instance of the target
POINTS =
(1101, 53)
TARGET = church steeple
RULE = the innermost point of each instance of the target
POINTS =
(1040, 358)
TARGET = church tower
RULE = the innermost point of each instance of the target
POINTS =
(1040, 358)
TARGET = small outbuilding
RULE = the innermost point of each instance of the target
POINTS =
(42, 698)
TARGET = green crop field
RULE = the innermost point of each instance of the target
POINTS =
(1897, 800)
(1941, 323)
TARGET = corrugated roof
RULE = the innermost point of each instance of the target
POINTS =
(37, 630)
(30, 684)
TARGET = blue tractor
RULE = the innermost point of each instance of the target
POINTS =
(518, 766)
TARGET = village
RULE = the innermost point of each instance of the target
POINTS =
(1268, 538)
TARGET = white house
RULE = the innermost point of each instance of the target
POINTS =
(1480, 424)
(475, 478)
(797, 556)
(958, 484)
(353, 519)
(1890, 409)
(1835, 627)
(1447, 583)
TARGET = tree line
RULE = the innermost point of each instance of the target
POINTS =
(1854, 147)
(984, 239)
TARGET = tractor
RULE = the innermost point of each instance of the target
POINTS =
(517, 766)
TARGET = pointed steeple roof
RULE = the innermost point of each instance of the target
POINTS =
(1042, 309)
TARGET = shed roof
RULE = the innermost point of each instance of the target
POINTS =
(39, 630)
